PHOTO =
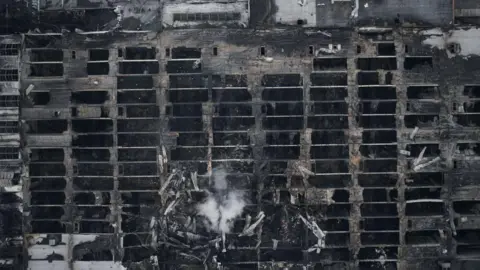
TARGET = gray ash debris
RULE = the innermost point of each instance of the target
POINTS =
(193, 223)
(202, 227)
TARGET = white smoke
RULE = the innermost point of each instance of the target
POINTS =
(219, 179)
(223, 206)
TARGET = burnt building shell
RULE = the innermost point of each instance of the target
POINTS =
(372, 132)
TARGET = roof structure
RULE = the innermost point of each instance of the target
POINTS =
(270, 134)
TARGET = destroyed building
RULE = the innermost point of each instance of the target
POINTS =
(236, 134)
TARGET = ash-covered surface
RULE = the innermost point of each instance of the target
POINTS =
(125, 144)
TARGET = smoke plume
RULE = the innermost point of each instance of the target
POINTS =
(222, 205)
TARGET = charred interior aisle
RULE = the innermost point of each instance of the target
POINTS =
(109, 139)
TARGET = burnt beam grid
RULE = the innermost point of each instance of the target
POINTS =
(378, 174)
(377, 101)
(327, 130)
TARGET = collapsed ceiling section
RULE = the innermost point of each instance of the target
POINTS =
(323, 134)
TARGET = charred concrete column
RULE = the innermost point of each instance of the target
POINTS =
(257, 142)
(162, 101)
(402, 138)
(304, 158)
(208, 111)
(306, 136)
(355, 157)
(72, 226)
(25, 176)
(163, 149)
(207, 117)
(116, 201)
(165, 144)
